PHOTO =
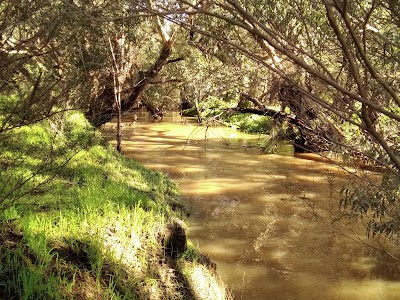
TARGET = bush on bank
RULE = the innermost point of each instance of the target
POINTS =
(80, 221)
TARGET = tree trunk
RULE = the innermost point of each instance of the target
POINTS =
(119, 127)
(146, 77)
(104, 108)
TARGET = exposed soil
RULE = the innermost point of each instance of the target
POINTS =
(10, 236)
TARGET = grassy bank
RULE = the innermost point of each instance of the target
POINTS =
(80, 221)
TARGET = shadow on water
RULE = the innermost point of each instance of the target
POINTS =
(266, 220)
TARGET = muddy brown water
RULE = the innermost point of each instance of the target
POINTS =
(265, 220)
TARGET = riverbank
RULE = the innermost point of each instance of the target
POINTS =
(80, 221)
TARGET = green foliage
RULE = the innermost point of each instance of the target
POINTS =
(250, 123)
(213, 106)
(216, 103)
(377, 205)
(55, 55)
(191, 112)
(32, 156)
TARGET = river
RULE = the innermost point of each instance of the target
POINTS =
(264, 219)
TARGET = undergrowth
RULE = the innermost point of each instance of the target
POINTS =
(250, 123)
(78, 220)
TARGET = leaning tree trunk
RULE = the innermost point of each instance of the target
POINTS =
(146, 77)
(104, 108)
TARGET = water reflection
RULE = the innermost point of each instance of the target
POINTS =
(264, 218)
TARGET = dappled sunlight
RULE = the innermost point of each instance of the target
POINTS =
(225, 249)
(264, 219)
(365, 264)
(365, 290)
(214, 185)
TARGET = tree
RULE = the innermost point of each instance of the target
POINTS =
(334, 63)
(342, 72)
(341, 57)
(39, 82)
(141, 40)
(33, 84)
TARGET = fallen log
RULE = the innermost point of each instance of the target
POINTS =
(314, 134)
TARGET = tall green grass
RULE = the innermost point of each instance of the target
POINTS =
(80, 221)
